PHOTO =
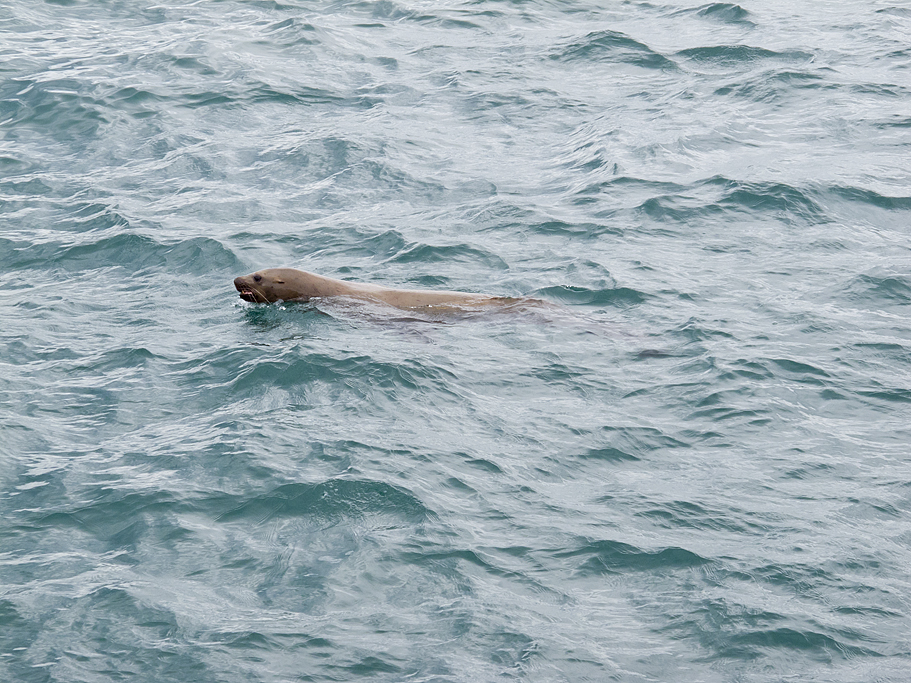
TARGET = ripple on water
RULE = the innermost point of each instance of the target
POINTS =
(195, 488)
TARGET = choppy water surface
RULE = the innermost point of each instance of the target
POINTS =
(695, 467)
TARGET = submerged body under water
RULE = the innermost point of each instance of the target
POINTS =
(691, 464)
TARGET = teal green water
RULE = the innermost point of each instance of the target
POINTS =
(693, 466)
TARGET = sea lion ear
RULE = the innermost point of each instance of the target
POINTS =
(279, 282)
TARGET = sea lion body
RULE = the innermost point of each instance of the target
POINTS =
(290, 284)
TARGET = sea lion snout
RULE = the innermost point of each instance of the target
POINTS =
(247, 293)
(240, 284)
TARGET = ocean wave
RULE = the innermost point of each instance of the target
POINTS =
(581, 296)
(879, 288)
(775, 85)
(865, 196)
(615, 557)
(333, 500)
(131, 251)
(426, 253)
(612, 46)
(734, 55)
(719, 195)
(58, 107)
(682, 514)
(295, 373)
(725, 12)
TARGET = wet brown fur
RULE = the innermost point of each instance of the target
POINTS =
(289, 284)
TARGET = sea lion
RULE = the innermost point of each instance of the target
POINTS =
(289, 284)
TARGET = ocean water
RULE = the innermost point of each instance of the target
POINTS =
(693, 465)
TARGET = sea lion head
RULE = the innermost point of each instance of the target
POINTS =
(271, 285)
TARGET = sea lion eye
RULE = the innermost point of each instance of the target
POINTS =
(257, 278)
(279, 282)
